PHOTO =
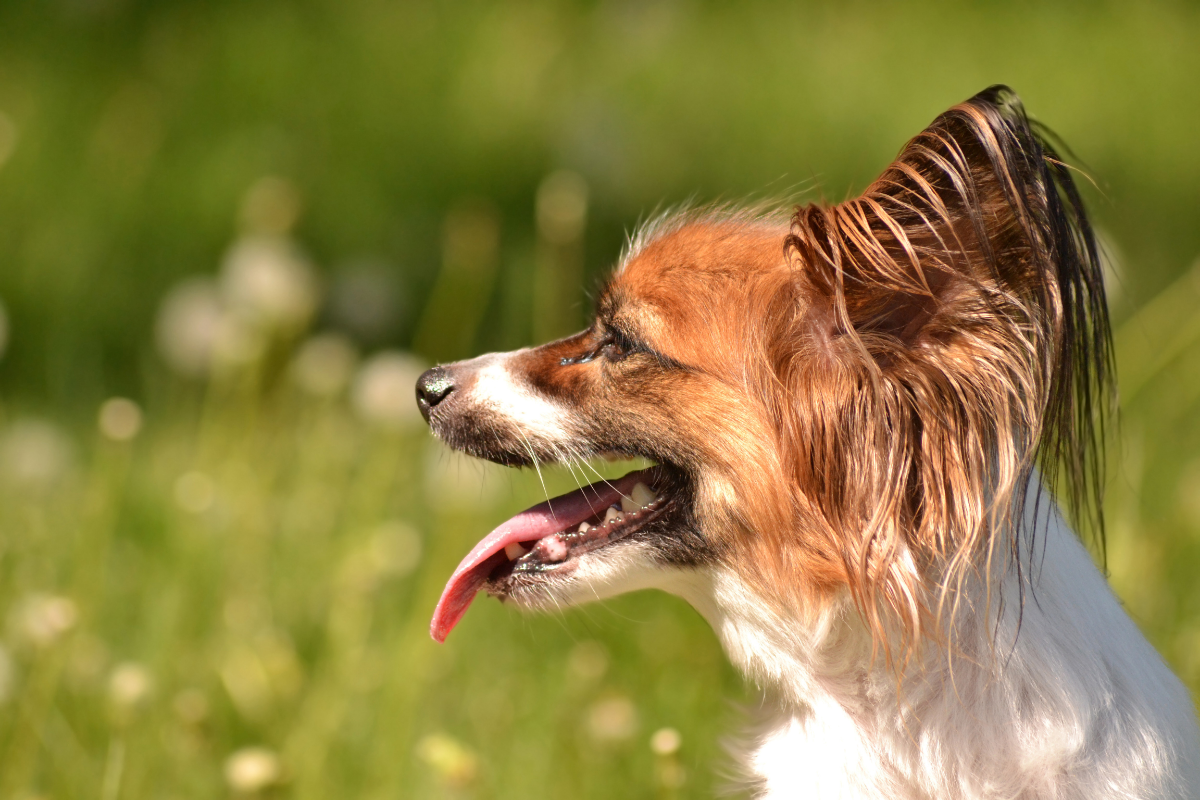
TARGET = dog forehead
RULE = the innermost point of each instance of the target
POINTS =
(693, 276)
(700, 258)
(700, 253)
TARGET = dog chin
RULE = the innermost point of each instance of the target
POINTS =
(621, 567)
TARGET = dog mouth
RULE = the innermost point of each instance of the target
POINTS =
(549, 538)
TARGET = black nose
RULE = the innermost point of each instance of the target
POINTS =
(434, 386)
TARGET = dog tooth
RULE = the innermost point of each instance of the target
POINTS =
(642, 495)
(629, 505)
(613, 514)
(553, 548)
(584, 527)
(514, 550)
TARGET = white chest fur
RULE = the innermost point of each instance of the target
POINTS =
(1059, 697)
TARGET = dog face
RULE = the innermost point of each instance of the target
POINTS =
(674, 369)
(847, 403)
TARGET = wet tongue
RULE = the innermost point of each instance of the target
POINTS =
(561, 513)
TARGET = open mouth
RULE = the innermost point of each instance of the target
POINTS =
(547, 537)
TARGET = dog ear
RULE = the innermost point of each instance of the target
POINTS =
(978, 207)
(958, 314)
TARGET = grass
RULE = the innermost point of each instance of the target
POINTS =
(250, 573)
(258, 570)
(224, 590)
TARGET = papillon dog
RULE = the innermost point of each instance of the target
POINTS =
(863, 418)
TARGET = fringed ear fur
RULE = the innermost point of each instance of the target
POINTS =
(960, 337)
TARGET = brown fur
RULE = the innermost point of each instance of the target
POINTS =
(894, 367)
(856, 399)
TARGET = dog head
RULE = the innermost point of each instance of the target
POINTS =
(848, 401)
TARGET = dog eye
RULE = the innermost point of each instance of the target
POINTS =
(615, 348)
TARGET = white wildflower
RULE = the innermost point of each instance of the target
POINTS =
(324, 364)
(120, 419)
(665, 742)
(385, 389)
(43, 618)
(190, 320)
(35, 454)
(612, 719)
(268, 281)
(130, 685)
(252, 769)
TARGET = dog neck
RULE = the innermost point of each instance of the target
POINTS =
(1041, 673)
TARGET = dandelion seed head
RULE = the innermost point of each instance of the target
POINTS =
(252, 769)
(384, 390)
(130, 685)
(35, 454)
(120, 419)
(190, 320)
(612, 719)
(268, 281)
(324, 365)
(665, 742)
(42, 619)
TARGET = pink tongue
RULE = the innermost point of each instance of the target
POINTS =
(560, 514)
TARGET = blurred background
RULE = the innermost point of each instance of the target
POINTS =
(233, 233)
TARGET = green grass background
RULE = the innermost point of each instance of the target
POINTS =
(146, 639)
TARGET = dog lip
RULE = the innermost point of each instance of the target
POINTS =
(558, 514)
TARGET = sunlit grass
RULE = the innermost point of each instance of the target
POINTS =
(235, 597)
(228, 592)
(224, 588)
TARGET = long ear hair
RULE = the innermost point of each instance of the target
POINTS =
(960, 337)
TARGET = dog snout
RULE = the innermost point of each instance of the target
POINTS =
(434, 386)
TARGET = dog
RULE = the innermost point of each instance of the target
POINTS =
(862, 419)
